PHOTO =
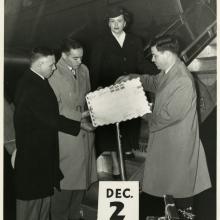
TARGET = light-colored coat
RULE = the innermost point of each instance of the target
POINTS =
(77, 156)
(175, 161)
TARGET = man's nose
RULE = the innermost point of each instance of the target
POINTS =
(153, 58)
(79, 61)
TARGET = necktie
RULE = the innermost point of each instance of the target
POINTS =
(74, 72)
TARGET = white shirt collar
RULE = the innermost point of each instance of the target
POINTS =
(169, 68)
(72, 70)
(120, 39)
(37, 73)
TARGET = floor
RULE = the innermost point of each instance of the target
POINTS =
(205, 202)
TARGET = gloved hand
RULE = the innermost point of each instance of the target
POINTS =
(126, 77)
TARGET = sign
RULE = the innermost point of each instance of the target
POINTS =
(118, 200)
(116, 103)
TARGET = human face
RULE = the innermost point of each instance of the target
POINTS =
(117, 24)
(159, 58)
(73, 58)
(47, 66)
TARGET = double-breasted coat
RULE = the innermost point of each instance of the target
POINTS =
(77, 154)
(175, 160)
(37, 122)
(109, 61)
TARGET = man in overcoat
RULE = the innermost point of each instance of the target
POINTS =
(37, 121)
(175, 161)
(71, 83)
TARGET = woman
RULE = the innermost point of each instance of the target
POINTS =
(116, 54)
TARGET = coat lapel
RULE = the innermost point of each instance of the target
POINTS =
(167, 78)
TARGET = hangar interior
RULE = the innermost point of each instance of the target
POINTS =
(33, 22)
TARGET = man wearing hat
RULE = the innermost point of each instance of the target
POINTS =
(116, 54)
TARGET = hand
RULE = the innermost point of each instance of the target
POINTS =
(146, 116)
(100, 87)
(151, 106)
(85, 114)
(122, 79)
(87, 126)
(126, 77)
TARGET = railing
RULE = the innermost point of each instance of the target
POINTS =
(196, 43)
(191, 51)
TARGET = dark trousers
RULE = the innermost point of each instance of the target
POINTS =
(33, 209)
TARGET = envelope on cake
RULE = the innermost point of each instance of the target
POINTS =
(117, 103)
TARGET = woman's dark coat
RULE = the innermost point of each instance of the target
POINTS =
(109, 61)
(37, 122)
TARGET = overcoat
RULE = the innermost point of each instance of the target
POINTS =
(109, 61)
(77, 153)
(37, 122)
(175, 160)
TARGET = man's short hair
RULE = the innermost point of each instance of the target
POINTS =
(40, 51)
(69, 44)
(166, 42)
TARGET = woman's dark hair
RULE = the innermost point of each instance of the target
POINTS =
(166, 42)
(117, 11)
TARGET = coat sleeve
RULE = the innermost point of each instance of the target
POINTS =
(55, 81)
(87, 82)
(41, 110)
(149, 82)
(175, 107)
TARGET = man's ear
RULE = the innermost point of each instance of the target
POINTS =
(167, 53)
(39, 63)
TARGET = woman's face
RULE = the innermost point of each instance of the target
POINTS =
(117, 24)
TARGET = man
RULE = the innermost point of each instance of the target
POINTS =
(37, 122)
(175, 161)
(71, 83)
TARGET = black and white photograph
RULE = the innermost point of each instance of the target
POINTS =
(110, 110)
